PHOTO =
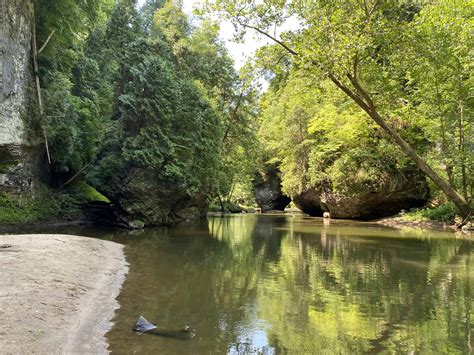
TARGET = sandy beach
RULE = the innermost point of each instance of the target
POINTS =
(58, 293)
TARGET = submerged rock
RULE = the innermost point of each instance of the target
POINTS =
(267, 190)
(136, 224)
(402, 190)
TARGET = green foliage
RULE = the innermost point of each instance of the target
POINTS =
(438, 64)
(320, 139)
(27, 209)
(443, 213)
(180, 109)
(72, 21)
(408, 61)
(69, 81)
(179, 125)
(165, 121)
(143, 89)
(200, 54)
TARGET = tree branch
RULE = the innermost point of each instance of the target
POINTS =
(361, 91)
(281, 58)
(292, 51)
(349, 92)
(77, 174)
(46, 42)
(38, 87)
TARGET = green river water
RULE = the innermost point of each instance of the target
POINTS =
(270, 284)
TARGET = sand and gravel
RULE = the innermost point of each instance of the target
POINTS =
(58, 293)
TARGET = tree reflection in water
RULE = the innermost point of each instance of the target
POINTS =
(272, 284)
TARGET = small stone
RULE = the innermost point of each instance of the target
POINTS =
(136, 224)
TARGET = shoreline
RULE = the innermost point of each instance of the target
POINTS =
(398, 222)
(395, 221)
(58, 292)
(13, 228)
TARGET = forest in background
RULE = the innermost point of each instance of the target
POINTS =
(143, 102)
(366, 88)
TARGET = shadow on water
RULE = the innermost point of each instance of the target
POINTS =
(276, 284)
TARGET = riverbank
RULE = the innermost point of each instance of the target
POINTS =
(58, 292)
(399, 222)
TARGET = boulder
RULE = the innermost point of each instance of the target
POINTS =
(309, 202)
(267, 190)
(142, 197)
(401, 190)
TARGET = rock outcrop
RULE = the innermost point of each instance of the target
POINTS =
(402, 190)
(142, 198)
(19, 156)
(309, 202)
(267, 190)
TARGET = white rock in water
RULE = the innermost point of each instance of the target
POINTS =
(467, 228)
(326, 215)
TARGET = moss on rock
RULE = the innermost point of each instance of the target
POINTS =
(46, 205)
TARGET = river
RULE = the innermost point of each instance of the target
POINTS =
(270, 284)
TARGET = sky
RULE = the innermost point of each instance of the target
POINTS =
(240, 52)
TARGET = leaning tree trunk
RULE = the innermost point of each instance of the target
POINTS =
(453, 195)
(364, 101)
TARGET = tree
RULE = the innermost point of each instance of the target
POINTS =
(71, 120)
(162, 120)
(200, 53)
(438, 71)
(351, 43)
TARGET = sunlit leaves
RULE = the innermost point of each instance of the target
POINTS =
(412, 59)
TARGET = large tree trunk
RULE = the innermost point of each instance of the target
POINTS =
(452, 194)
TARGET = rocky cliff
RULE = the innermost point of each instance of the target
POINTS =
(403, 189)
(144, 199)
(19, 155)
(267, 190)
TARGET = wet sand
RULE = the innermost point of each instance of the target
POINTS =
(58, 293)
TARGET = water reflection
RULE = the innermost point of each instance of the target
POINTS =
(273, 284)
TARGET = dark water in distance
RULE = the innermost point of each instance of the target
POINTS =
(272, 284)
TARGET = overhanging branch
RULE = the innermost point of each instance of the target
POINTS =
(273, 38)
(46, 42)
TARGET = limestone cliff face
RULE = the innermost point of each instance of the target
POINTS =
(267, 190)
(403, 189)
(18, 155)
(141, 196)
